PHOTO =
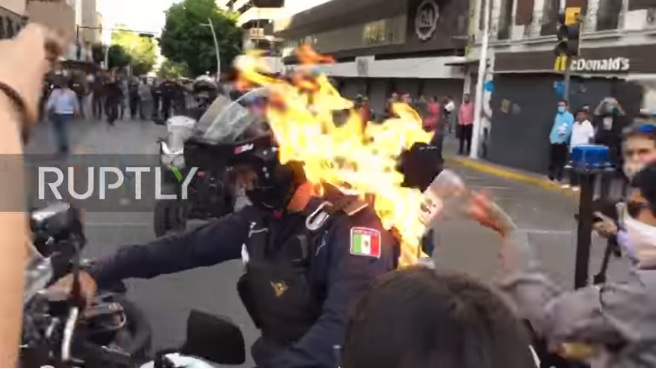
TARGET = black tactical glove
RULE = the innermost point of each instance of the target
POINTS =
(420, 165)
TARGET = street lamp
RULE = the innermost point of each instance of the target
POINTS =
(480, 90)
(216, 46)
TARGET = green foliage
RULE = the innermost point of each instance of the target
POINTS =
(117, 57)
(185, 39)
(142, 50)
(171, 69)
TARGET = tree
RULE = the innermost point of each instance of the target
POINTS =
(171, 69)
(141, 49)
(117, 56)
(185, 40)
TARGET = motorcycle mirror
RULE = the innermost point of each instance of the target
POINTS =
(213, 338)
(56, 220)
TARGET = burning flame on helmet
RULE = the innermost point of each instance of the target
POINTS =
(302, 113)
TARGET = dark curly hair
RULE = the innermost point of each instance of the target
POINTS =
(645, 181)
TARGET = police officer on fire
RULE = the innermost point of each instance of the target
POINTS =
(307, 258)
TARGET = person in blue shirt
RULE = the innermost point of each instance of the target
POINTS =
(558, 138)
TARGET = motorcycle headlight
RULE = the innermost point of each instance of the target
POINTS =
(179, 162)
(173, 160)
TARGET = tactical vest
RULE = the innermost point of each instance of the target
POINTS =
(278, 288)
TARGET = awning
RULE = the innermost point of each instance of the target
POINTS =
(573, 74)
(464, 63)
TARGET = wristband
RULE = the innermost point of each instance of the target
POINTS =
(19, 105)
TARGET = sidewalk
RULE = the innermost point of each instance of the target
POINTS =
(451, 157)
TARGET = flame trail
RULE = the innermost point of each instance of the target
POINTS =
(301, 113)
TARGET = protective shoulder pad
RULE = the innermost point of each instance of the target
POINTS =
(354, 206)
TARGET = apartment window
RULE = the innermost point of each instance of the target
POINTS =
(608, 14)
(10, 28)
(505, 20)
(481, 13)
(524, 13)
(2, 28)
(641, 4)
(550, 17)
(375, 33)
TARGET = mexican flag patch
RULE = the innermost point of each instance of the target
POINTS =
(365, 242)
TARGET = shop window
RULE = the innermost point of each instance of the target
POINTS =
(375, 33)
(10, 28)
(641, 4)
(524, 13)
(583, 4)
(550, 17)
(608, 14)
(505, 20)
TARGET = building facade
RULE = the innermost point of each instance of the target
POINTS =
(54, 14)
(618, 44)
(12, 17)
(381, 47)
(90, 33)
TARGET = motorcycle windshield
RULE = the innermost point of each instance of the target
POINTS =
(226, 120)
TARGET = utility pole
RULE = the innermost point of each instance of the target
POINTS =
(480, 90)
(216, 48)
(568, 77)
(569, 35)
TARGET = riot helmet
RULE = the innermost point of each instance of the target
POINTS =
(240, 141)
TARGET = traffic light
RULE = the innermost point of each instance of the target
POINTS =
(569, 32)
(268, 3)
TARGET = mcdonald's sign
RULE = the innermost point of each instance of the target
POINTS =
(561, 63)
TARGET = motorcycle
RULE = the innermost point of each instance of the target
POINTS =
(207, 195)
(60, 329)
(189, 145)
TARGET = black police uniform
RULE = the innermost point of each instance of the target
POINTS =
(302, 271)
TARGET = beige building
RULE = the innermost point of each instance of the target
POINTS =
(57, 15)
(14, 6)
(89, 32)
(12, 17)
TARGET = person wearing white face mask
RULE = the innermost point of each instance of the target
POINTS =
(637, 236)
(615, 321)
(638, 145)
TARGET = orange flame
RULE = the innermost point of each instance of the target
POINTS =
(341, 153)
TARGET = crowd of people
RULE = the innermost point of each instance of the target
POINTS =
(107, 95)
(443, 116)
(355, 297)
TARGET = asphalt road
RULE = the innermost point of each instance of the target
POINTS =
(464, 246)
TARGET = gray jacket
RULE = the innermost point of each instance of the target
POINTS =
(601, 315)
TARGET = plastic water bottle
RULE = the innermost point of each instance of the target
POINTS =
(448, 197)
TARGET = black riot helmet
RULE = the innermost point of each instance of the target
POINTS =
(275, 183)
(229, 136)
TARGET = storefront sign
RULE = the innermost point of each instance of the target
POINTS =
(601, 65)
(426, 19)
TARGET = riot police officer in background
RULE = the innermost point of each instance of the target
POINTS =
(156, 91)
(306, 257)
(168, 90)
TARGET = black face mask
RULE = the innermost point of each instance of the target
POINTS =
(274, 193)
(271, 198)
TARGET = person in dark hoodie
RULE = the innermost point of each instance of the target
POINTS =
(113, 99)
(610, 120)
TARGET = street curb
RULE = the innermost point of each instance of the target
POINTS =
(509, 174)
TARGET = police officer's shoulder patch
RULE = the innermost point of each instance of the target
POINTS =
(365, 242)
